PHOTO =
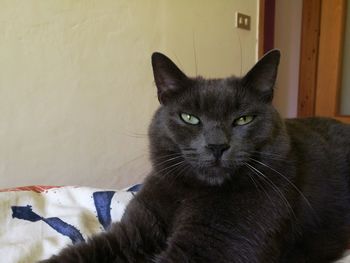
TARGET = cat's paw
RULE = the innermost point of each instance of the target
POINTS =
(48, 261)
(53, 259)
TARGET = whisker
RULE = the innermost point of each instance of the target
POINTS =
(276, 156)
(254, 182)
(132, 160)
(135, 134)
(172, 170)
(276, 189)
(188, 148)
(185, 169)
(240, 48)
(167, 160)
(173, 165)
(195, 53)
(177, 159)
(257, 183)
(167, 156)
(285, 178)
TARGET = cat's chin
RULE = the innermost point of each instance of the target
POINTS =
(215, 175)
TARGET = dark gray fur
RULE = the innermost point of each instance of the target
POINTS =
(277, 192)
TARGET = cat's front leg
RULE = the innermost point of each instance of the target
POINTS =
(104, 248)
(138, 236)
(115, 245)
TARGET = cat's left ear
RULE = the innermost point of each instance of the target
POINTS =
(262, 77)
(169, 79)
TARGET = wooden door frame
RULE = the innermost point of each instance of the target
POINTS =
(310, 32)
(321, 58)
(330, 59)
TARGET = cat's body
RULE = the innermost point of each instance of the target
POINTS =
(232, 181)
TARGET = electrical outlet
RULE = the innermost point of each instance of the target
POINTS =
(243, 21)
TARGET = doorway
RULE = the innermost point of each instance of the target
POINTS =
(324, 60)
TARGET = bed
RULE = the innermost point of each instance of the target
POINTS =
(38, 221)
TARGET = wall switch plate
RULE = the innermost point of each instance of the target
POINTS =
(243, 21)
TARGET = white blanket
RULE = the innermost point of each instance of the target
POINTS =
(36, 222)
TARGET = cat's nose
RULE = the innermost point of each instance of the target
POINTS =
(218, 149)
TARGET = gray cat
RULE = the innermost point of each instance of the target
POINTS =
(231, 180)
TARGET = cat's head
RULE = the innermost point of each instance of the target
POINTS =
(209, 128)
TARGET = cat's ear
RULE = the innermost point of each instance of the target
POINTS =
(169, 79)
(262, 77)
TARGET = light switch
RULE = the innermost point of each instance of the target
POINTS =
(243, 21)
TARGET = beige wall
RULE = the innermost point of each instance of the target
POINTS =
(207, 29)
(76, 88)
(287, 39)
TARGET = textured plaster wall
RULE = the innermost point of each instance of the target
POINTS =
(76, 87)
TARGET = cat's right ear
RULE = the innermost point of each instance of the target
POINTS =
(169, 79)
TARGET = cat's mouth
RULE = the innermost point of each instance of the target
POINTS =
(216, 163)
(215, 173)
(216, 166)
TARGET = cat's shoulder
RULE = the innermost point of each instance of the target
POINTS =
(326, 128)
(313, 122)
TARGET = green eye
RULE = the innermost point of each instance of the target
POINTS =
(244, 120)
(190, 119)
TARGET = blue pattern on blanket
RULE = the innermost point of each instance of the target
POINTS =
(135, 188)
(26, 213)
(102, 202)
